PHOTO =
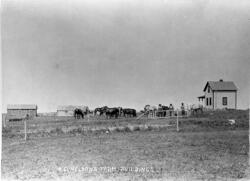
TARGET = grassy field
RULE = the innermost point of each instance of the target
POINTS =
(206, 147)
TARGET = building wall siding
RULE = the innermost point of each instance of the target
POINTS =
(218, 95)
(21, 113)
(65, 113)
(208, 95)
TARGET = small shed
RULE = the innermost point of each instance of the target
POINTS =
(69, 110)
(20, 111)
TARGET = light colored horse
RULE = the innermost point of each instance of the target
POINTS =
(195, 108)
(150, 109)
(85, 109)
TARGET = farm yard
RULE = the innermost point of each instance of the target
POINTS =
(206, 147)
(125, 90)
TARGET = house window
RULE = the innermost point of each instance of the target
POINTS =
(224, 101)
(207, 101)
(208, 89)
(210, 101)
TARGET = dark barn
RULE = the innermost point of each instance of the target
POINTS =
(20, 111)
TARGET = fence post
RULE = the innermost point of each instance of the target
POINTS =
(177, 121)
(4, 121)
(25, 130)
(25, 126)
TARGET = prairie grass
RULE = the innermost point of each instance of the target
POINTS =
(206, 148)
(214, 155)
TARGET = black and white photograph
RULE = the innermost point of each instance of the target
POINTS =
(130, 90)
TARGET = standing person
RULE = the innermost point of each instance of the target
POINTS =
(182, 109)
(27, 116)
(171, 109)
(159, 110)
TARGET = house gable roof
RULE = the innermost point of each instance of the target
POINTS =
(22, 106)
(221, 85)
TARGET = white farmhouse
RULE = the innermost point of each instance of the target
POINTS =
(219, 95)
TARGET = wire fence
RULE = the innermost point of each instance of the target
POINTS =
(166, 118)
(163, 114)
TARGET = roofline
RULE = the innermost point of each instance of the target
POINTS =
(205, 87)
(201, 96)
(21, 108)
(216, 89)
(226, 90)
(65, 109)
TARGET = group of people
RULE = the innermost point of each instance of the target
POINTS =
(162, 110)
(184, 109)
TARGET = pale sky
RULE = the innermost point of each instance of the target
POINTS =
(125, 53)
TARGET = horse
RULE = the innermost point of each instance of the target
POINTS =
(85, 110)
(195, 109)
(97, 111)
(150, 109)
(100, 110)
(78, 113)
(127, 112)
(165, 109)
(112, 112)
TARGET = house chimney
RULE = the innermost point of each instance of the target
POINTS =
(221, 80)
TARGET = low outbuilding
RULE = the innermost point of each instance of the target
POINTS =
(21, 111)
(69, 110)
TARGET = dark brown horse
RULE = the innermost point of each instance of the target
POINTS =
(78, 114)
(112, 112)
(127, 112)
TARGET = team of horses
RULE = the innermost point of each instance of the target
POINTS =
(115, 112)
(109, 113)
